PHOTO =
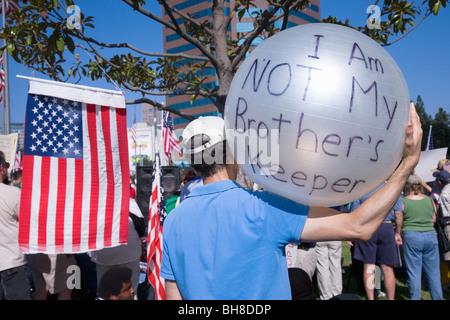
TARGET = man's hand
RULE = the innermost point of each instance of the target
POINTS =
(325, 224)
(413, 139)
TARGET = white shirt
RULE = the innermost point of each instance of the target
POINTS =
(10, 254)
(444, 200)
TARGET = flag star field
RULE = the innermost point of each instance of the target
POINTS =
(53, 128)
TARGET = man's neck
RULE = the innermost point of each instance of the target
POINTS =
(218, 176)
(229, 172)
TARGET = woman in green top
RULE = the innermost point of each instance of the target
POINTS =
(415, 230)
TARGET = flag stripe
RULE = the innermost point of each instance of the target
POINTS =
(51, 203)
(121, 121)
(109, 217)
(60, 204)
(102, 179)
(2, 79)
(86, 186)
(155, 263)
(10, 5)
(78, 204)
(35, 194)
(119, 221)
(43, 204)
(68, 208)
(156, 216)
(117, 179)
(94, 182)
(25, 203)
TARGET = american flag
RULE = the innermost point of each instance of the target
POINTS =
(10, 5)
(17, 161)
(75, 181)
(2, 80)
(156, 218)
(133, 129)
(170, 139)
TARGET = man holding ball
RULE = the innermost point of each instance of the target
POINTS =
(225, 242)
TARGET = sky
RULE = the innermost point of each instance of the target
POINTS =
(423, 55)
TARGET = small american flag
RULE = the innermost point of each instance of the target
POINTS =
(157, 215)
(75, 181)
(2, 80)
(133, 129)
(17, 161)
(10, 5)
(170, 139)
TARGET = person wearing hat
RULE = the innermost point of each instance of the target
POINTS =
(443, 179)
(443, 164)
(226, 242)
(435, 188)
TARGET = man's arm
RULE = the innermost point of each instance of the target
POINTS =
(325, 224)
(398, 227)
(172, 291)
(434, 211)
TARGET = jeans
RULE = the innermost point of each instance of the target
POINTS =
(420, 250)
(15, 284)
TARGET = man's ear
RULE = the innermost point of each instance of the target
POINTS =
(113, 297)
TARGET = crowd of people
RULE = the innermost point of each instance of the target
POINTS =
(405, 243)
(220, 239)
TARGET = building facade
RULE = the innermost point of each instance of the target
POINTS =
(202, 9)
(148, 114)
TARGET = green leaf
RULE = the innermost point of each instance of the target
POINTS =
(11, 47)
(436, 8)
(60, 43)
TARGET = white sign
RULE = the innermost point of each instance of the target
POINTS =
(428, 161)
(8, 144)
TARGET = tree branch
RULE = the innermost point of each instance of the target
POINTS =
(170, 8)
(143, 91)
(252, 35)
(146, 53)
(177, 29)
(408, 31)
(184, 92)
(160, 106)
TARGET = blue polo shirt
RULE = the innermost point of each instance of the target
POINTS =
(225, 242)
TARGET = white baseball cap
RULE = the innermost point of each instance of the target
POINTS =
(213, 127)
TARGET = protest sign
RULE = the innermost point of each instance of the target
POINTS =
(317, 114)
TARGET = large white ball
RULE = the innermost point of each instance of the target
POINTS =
(317, 114)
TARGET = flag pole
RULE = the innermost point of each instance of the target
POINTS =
(162, 148)
(134, 138)
(429, 137)
(155, 132)
(5, 109)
